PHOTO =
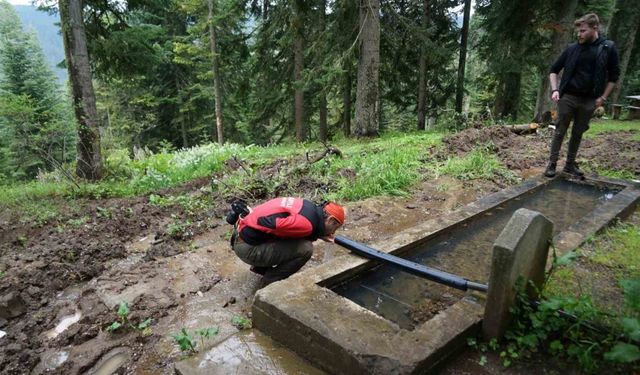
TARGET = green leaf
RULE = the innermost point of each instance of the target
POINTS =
(114, 326)
(144, 324)
(623, 353)
(566, 259)
(184, 340)
(208, 332)
(530, 340)
(240, 322)
(631, 290)
(123, 310)
(631, 328)
(471, 341)
(483, 360)
(555, 346)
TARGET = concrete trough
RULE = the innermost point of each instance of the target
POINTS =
(340, 336)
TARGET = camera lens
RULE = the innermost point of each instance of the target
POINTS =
(232, 217)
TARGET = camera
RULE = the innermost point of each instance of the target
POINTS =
(238, 209)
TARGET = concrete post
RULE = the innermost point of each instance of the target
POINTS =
(519, 251)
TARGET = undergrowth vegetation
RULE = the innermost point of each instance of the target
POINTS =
(589, 311)
(387, 165)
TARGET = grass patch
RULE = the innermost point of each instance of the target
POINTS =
(606, 126)
(478, 163)
(561, 282)
(620, 174)
(389, 165)
(619, 249)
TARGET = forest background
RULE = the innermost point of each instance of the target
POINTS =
(166, 75)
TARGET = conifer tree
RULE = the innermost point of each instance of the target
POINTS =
(36, 130)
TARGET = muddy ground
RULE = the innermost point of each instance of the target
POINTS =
(172, 263)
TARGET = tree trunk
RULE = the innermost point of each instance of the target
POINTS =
(561, 37)
(299, 93)
(265, 9)
(508, 95)
(298, 65)
(180, 116)
(89, 156)
(463, 55)
(422, 70)
(346, 101)
(216, 74)
(323, 133)
(626, 56)
(367, 95)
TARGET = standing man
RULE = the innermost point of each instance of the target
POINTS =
(591, 69)
(276, 237)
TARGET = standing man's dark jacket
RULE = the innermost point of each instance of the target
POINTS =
(282, 218)
(599, 64)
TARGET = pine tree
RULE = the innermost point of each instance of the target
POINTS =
(37, 132)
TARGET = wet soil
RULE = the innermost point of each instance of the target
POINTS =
(172, 264)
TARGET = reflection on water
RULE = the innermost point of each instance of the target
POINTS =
(465, 251)
(65, 323)
(249, 352)
(111, 362)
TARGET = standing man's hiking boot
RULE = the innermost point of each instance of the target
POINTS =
(551, 170)
(572, 168)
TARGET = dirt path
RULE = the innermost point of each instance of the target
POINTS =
(64, 279)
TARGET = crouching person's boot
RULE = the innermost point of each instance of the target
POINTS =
(551, 169)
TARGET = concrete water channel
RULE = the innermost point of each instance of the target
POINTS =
(355, 316)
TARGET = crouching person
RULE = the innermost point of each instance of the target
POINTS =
(276, 237)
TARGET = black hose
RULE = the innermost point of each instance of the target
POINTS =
(414, 268)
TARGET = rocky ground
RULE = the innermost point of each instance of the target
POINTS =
(172, 264)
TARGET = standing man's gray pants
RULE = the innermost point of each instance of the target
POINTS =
(576, 108)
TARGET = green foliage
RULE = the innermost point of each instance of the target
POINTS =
(185, 341)
(389, 166)
(206, 333)
(36, 130)
(631, 288)
(190, 204)
(241, 322)
(618, 249)
(123, 316)
(567, 323)
(478, 163)
(178, 229)
(597, 128)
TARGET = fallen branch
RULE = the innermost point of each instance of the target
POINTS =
(329, 150)
(523, 128)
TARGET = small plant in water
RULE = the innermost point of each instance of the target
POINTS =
(185, 341)
(205, 333)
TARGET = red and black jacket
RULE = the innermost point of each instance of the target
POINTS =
(282, 218)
